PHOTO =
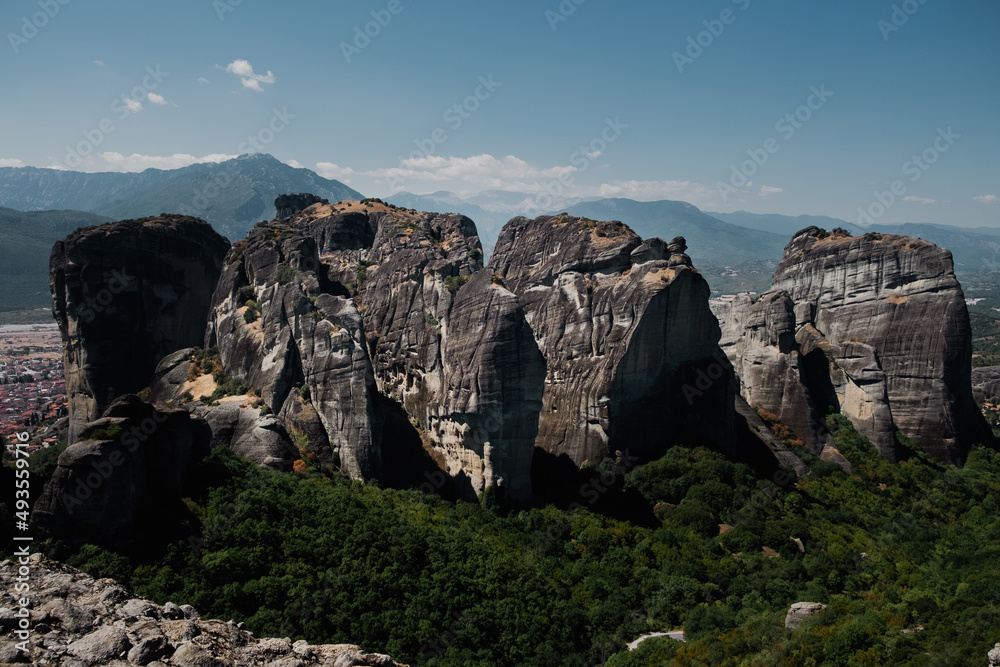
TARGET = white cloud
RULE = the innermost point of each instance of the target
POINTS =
(767, 191)
(485, 171)
(134, 106)
(332, 171)
(156, 99)
(110, 161)
(99, 63)
(202, 79)
(10, 162)
(294, 163)
(986, 199)
(248, 78)
(919, 200)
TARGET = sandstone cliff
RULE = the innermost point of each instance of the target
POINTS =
(404, 303)
(626, 333)
(284, 327)
(874, 327)
(126, 294)
(77, 620)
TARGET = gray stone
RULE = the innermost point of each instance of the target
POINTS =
(71, 617)
(148, 650)
(621, 340)
(192, 655)
(172, 611)
(874, 327)
(799, 611)
(134, 482)
(11, 654)
(101, 646)
(136, 608)
(190, 612)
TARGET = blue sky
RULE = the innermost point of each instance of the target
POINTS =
(591, 99)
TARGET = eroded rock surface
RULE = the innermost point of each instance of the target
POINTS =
(125, 295)
(396, 294)
(624, 327)
(77, 620)
(874, 327)
(284, 327)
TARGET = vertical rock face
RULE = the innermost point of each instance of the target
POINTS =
(875, 327)
(281, 325)
(125, 295)
(452, 348)
(360, 299)
(624, 328)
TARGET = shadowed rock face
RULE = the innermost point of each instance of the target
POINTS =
(874, 326)
(125, 295)
(124, 469)
(624, 328)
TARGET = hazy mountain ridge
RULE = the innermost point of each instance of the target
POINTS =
(230, 195)
(27, 242)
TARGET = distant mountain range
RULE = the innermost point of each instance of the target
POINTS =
(232, 195)
(736, 251)
(974, 249)
(26, 241)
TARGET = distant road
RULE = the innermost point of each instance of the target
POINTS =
(675, 634)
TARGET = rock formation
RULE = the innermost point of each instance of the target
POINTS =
(121, 473)
(126, 294)
(800, 611)
(392, 292)
(986, 381)
(294, 335)
(874, 327)
(630, 345)
(77, 620)
(234, 421)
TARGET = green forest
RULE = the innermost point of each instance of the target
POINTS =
(905, 556)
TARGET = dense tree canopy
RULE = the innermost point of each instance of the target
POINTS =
(904, 555)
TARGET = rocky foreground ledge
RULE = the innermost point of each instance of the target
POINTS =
(79, 621)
